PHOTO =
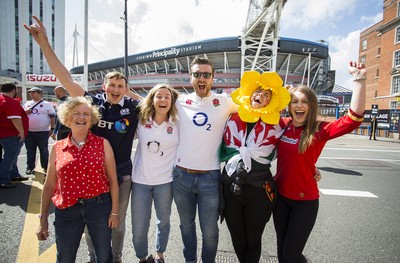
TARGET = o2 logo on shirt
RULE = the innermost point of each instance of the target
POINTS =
(200, 119)
(122, 125)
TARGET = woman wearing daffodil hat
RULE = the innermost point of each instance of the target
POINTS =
(248, 148)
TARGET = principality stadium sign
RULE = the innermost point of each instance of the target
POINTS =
(48, 79)
(165, 53)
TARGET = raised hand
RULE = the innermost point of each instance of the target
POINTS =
(38, 31)
(357, 70)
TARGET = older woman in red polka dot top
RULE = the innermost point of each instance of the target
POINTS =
(81, 182)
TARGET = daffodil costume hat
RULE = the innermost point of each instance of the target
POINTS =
(251, 80)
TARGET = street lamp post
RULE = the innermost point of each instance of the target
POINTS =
(125, 18)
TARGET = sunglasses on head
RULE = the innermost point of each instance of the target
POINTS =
(198, 75)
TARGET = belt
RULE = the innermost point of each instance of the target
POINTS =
(88, 200)
(191, 171)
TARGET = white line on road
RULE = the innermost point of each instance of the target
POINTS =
(347, 193)
(365, 159)
(362, 150)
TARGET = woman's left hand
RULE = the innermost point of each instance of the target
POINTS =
(317, 176)
(113, 220)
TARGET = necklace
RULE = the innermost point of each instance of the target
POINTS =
(80, 144)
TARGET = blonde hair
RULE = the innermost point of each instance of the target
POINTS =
(65, 109)
(311, 126)
(146, 105)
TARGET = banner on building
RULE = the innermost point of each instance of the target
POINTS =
(48, 79)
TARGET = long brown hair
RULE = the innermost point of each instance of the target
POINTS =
(311, 125)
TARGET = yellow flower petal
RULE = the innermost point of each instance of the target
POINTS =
(271, 117)
(248, 115)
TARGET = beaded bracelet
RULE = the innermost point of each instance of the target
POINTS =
(43, 216)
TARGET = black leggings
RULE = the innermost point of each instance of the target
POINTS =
(294, 221)
(246, 216)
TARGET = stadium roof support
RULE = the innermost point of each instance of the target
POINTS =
(260, 37)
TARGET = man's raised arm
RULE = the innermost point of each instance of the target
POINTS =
(38, 32)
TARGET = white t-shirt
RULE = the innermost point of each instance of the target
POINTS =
(202, 122)
(39, 119)
(155, 153)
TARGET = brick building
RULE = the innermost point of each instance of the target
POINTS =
(380, 51)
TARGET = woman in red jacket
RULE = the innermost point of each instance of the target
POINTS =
(300, 146)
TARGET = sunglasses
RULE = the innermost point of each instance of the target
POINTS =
(198, 75)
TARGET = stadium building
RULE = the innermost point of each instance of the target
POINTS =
(171, 65)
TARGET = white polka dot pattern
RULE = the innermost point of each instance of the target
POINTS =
(80, 173)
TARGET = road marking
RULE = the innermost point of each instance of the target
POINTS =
(347, 193)
(29, 245)
(354, 158)
(362, 150)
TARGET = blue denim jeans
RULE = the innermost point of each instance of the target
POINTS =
(141, 201)
(70, 222)
(197, 190)
(8, 165)
(118, 233)
(37, 140)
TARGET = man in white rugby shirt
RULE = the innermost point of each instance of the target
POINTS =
(41, 116)
(202, 116)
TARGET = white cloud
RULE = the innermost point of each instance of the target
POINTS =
(371, 20)
(158, 24)
(346, 50)
(314, 14)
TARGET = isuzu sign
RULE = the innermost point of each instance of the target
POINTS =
(49, 79)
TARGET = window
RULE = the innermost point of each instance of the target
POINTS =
(398, 9)
(395, 84)
(393, 105)
(379, 52)
(364, 44)
(364, 59)
(377, 73)
(396, 59)
(397, 40)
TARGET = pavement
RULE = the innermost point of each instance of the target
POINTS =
(22, 208)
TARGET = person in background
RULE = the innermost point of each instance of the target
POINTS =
(197, 173)
(82, 183)
(13, 129)
(155, 156)
(119, 119)
(373, 128)
(41, 116)
(301, 144)
(60, 131)
(248, 148)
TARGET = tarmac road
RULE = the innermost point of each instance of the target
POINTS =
(358, 220)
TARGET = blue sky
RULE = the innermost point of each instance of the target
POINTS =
(155, 24)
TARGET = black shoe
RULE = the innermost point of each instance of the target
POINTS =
(7, 186)
(29, 171)
(150, 259)
(19, 179)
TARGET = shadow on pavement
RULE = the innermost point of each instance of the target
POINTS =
(340, 171)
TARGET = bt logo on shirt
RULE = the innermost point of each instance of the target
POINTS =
(121, 126)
